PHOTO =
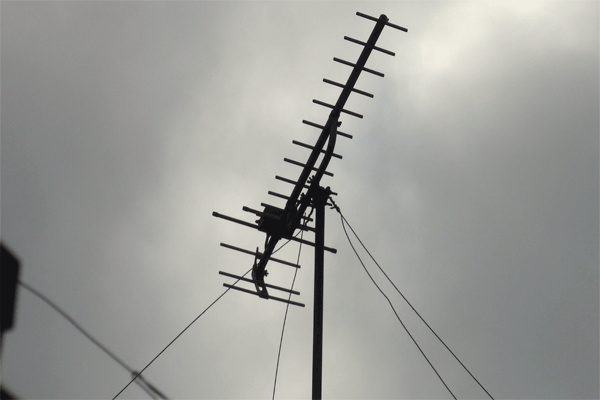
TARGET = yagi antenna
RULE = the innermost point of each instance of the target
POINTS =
(282, 223)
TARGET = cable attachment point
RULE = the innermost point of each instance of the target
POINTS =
(334, 206)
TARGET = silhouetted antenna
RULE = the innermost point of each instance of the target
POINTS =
(281, 223)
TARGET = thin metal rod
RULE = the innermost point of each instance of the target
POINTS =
(299, 164)
(387, 23)
(303, 241)
(253, 253)
(251, 281)
(308, 146)
(286, 180)
(391, 53)
(322, 103)
(334, 83)
(256, 294)
(281, 196)
(354, 65)
(346, 135)
(237, 221)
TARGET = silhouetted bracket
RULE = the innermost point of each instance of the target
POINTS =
(270, 297)
(354, 65)
(254, 253)
(322, 127)
(303, 165)
(377, 19)
(312, 147)
(391, 53)
(344, 86)
(241, 278)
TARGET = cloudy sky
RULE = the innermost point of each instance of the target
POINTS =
(473, 179)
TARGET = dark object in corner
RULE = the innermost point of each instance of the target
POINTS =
(10, 275)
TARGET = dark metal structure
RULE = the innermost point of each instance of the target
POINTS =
(282, 223)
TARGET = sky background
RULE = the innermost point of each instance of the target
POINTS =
(473, 179)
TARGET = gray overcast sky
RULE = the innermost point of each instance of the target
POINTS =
(473, 179)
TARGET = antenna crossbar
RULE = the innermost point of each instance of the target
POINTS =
(391, 53)
(259, 254)
(312, 147)
(343, 87)
(303, 165)
(354, 65)
(315, 125)
(241, 278)
(322, 103)
(294, 303)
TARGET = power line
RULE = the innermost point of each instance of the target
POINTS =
(288, 304)
(408, 302)
(389, 301)
(180, 333)
(145, 385)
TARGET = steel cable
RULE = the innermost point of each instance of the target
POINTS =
(177, 337)
(344, 220)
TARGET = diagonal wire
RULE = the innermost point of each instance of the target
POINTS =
(180, 333)
(393, 309)
(148, 388)
(416, 312)
(288, 306)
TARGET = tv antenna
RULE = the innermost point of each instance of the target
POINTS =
(281, 223)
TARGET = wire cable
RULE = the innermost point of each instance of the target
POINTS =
(288, 306)
(148, 388)
(180, 333)
(408, 302)
(393, 309)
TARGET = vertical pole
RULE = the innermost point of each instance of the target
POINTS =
(320, 199)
